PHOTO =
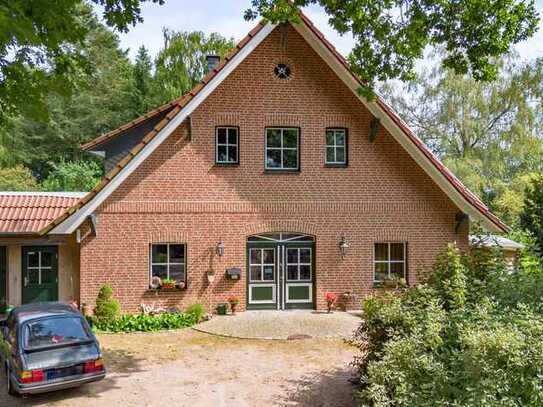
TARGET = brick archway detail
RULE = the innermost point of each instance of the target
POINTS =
(295, 226)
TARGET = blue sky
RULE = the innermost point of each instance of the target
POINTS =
(226, 18)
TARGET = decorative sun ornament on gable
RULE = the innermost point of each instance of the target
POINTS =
(283, 71)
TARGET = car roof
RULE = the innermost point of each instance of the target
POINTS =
(28, 312)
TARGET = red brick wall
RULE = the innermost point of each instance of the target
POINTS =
(179, 195)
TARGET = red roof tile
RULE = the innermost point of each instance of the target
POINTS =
(29, 212)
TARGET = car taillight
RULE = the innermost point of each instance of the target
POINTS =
(94, 366)
(32, 376)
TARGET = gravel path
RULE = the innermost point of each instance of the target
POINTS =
(282, 325)
(189, 368)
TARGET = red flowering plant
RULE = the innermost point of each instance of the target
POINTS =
(330, 300)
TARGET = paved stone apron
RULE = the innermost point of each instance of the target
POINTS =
(299, 324)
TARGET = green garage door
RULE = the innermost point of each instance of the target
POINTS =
(3, 275)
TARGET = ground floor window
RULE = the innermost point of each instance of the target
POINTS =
(168, 261)
(389, 261)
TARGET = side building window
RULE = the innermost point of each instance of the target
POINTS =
(336, 147)
(389, 261)
(282, 149)
(227, 145)
(169, 261)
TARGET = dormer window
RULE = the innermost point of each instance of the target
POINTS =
(227, 145)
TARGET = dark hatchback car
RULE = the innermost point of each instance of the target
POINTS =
(47, 347)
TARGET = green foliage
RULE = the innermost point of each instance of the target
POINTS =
(17, 178)
(470, 336)
(181, 64)
(531, 217)
(39, 48)
(107, 309)
(488, 134)
(391, 35)
(144, 91)
(148, 323)
(197, 310)
(73, 176)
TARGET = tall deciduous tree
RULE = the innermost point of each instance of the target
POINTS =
(489, 134)
(391, 35)
(40, 42)
(182, 61)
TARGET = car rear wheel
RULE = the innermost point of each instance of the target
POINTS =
(11, 391)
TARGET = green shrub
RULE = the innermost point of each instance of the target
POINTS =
(147, 323)
(197, 310)
(107, 308)
(472, 335)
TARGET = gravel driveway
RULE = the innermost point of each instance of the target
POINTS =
(189, 368)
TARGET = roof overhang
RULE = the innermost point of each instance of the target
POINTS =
(451, 186)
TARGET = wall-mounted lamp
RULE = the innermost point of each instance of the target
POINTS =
(343, 246)
(210, 277)
(220, 248)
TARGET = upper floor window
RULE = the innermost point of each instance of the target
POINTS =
(336, 147)
(168, 262)
(389, 261)
(283, 149)
(227, 145)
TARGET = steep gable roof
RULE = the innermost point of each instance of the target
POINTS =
(183, 107)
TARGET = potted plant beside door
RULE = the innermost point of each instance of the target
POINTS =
(233, 301)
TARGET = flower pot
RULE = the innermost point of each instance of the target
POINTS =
(221, 309)
(233, 308)
(170, 286)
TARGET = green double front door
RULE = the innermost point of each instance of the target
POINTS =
(280, 271)
(40, 273)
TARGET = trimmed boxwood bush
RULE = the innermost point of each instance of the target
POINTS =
(107, 308)
(472, 335)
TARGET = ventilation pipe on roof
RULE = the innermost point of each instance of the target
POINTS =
(212, 62)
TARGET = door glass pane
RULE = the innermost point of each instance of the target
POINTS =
(273, 158)
(48, 276)
(221, 136)
(305, 272)
(381, 251)
(46, 259)
(177, 253)
(396, 251)
(255, 273)
(160, 271)
(292, 272)
(159, 253)
(269, 256)
(396, 270)
(381, 271)
(305, 256)
(177, 272)
(269, 274)
(273, 138)
(33, 259)
(290, 159)
(255, 256)
(290, 138)
(292, 256)
(33, 276)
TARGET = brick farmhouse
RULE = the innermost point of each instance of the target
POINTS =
(272, 181)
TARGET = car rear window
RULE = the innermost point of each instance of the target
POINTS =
(52, 332)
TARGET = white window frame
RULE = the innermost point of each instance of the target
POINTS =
(261, 265)
(282, 149)
(168, 263)
(388, 261)
(335, 146)
(227, 144)
(39, 267)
